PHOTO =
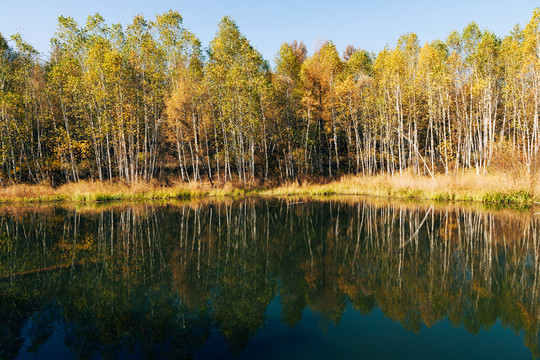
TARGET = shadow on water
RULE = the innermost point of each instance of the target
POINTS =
(241, 278)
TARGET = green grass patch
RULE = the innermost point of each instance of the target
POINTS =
(514, 197)
(410, 193)
(444, 196)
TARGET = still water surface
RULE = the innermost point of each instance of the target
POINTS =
(269, 278)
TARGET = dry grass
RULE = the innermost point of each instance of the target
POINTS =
(22, 191)
(89, 191)
(494, 188)
(498, 187)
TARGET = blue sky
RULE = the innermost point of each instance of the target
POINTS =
(366, 24)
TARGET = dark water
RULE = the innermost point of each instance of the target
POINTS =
(266, 279)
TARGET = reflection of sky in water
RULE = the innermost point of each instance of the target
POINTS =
(366, 336)
(223, 281)
(371, 336)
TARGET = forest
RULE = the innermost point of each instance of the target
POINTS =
(146, 101)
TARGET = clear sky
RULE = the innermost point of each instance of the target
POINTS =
(369, 25)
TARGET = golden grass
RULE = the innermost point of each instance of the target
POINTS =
(90, 191)
(500, 187)
(494, 188)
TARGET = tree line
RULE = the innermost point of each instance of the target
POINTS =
(147, 101)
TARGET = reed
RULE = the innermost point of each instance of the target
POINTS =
(500, 187)
(495, 188)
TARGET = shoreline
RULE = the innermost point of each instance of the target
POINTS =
(496, 189)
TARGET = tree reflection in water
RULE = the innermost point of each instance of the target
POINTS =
(158, 279)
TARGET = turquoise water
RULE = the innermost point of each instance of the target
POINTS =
(358, 336)
(266, 279)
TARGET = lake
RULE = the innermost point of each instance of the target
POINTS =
(266, 278)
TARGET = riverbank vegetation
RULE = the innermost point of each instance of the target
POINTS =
(500, 188)
(146, 103)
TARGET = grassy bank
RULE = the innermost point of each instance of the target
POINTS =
(93, 191)
(501, 188)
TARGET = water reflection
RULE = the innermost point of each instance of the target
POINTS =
(157, 280)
